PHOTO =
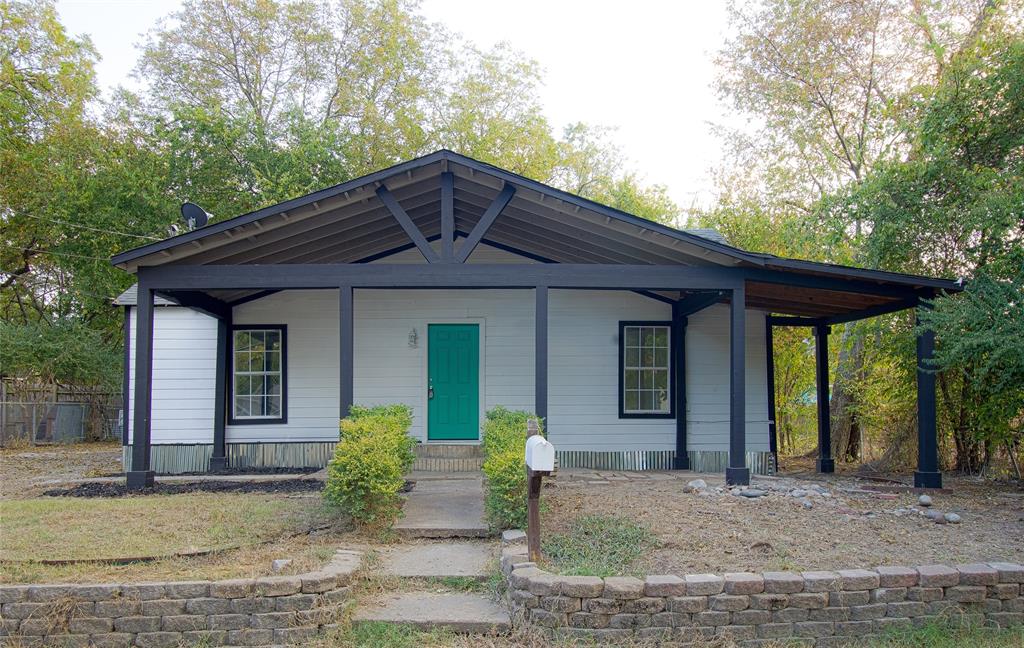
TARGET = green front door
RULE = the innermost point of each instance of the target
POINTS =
(453, 374)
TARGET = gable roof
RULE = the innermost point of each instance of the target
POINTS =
(351, 223)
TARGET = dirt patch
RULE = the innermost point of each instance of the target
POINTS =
(27, 472)
(847, 527)
(118, 489)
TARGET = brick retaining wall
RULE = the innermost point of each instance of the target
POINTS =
(819, 608)
(239, 612)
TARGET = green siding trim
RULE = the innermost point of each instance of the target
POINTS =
(175, 459)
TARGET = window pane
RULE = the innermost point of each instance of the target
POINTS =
(660, 379)
(273, 405)
(647, 401)
(242, 385)
(647, 379)
(632, 336)
(242, 340)
(631, 379)
(647, 336)
(632, 402)
(663, 399)
(661, 336)
(647, 358)
(242, 406)
(274, 361)
(273, 340)
(632, 357)
(661, 357)
(273, 384)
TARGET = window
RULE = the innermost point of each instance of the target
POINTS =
(645, 370)
(258, 374)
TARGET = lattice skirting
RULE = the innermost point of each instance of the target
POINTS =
(760, 463)
(174, 459)
(177, 458)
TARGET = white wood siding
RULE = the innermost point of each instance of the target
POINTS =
(583, 356)
(184, 366)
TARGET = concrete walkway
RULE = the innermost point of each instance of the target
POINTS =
(452, 507)
(463, 613)
(439, 559)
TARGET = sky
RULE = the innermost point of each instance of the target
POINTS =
(644, 68)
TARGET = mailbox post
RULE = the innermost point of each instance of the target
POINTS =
(540, 461)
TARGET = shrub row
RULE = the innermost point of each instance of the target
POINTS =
(367, 472)
(504, 440)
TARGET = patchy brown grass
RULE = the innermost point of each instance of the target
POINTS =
(723, 533)
(247, 530)
(28, 470)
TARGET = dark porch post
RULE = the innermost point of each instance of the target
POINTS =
(825, 462)
(737, 472)
(773, 431)
(347, 355)
(140, 476)
(927, 474)
(540, 396)
(219, 459)
(682, 460)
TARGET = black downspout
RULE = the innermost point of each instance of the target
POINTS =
(826, 464)
(219, 459)
(679, 321)
(769, 348)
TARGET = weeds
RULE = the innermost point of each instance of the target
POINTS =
(597, 545)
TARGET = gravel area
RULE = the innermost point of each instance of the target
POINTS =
(825, 524)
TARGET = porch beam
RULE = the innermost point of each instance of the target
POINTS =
(382, 275)
(485, 222)
(141, 476)
(346, 335)
(219, 458)
(927, 474)
(682, 460)
(853, 284)
(695, 303)
(874, 311)
(447, 217)
(776, 320)
(737, 473)
(540, 318)
(410, 228)
(199, 301)
(825, 462)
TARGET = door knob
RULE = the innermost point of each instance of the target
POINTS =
(430, 392)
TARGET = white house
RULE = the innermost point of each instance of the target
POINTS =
(454, 286)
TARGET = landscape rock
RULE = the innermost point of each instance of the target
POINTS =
(806, 503)
(280, 564)
(952, 518)
(696, 485)
(752, 493)
(799, 493)
(924, 500)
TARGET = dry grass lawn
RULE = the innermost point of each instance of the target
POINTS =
(245, 531)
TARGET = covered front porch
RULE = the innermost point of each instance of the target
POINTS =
(342, 244)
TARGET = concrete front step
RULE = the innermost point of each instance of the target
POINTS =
(448, 457)
(459, 612)
(439, 559)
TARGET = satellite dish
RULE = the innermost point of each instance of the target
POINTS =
(193, 215)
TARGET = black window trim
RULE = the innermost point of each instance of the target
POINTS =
(671, 414)
(281, 420)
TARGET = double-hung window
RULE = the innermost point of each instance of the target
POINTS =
(258, 385)
(645, 370)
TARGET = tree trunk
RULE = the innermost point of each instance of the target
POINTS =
(849, 368)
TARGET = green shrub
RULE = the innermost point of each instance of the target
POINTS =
(373, 454)
(504, 440)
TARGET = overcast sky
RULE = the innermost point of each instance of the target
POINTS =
(644, 68)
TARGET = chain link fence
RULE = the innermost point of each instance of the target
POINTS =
(42, 414)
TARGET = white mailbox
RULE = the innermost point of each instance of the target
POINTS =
(540, 454)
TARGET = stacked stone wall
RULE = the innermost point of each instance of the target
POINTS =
(240, 612)
(813, 608)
